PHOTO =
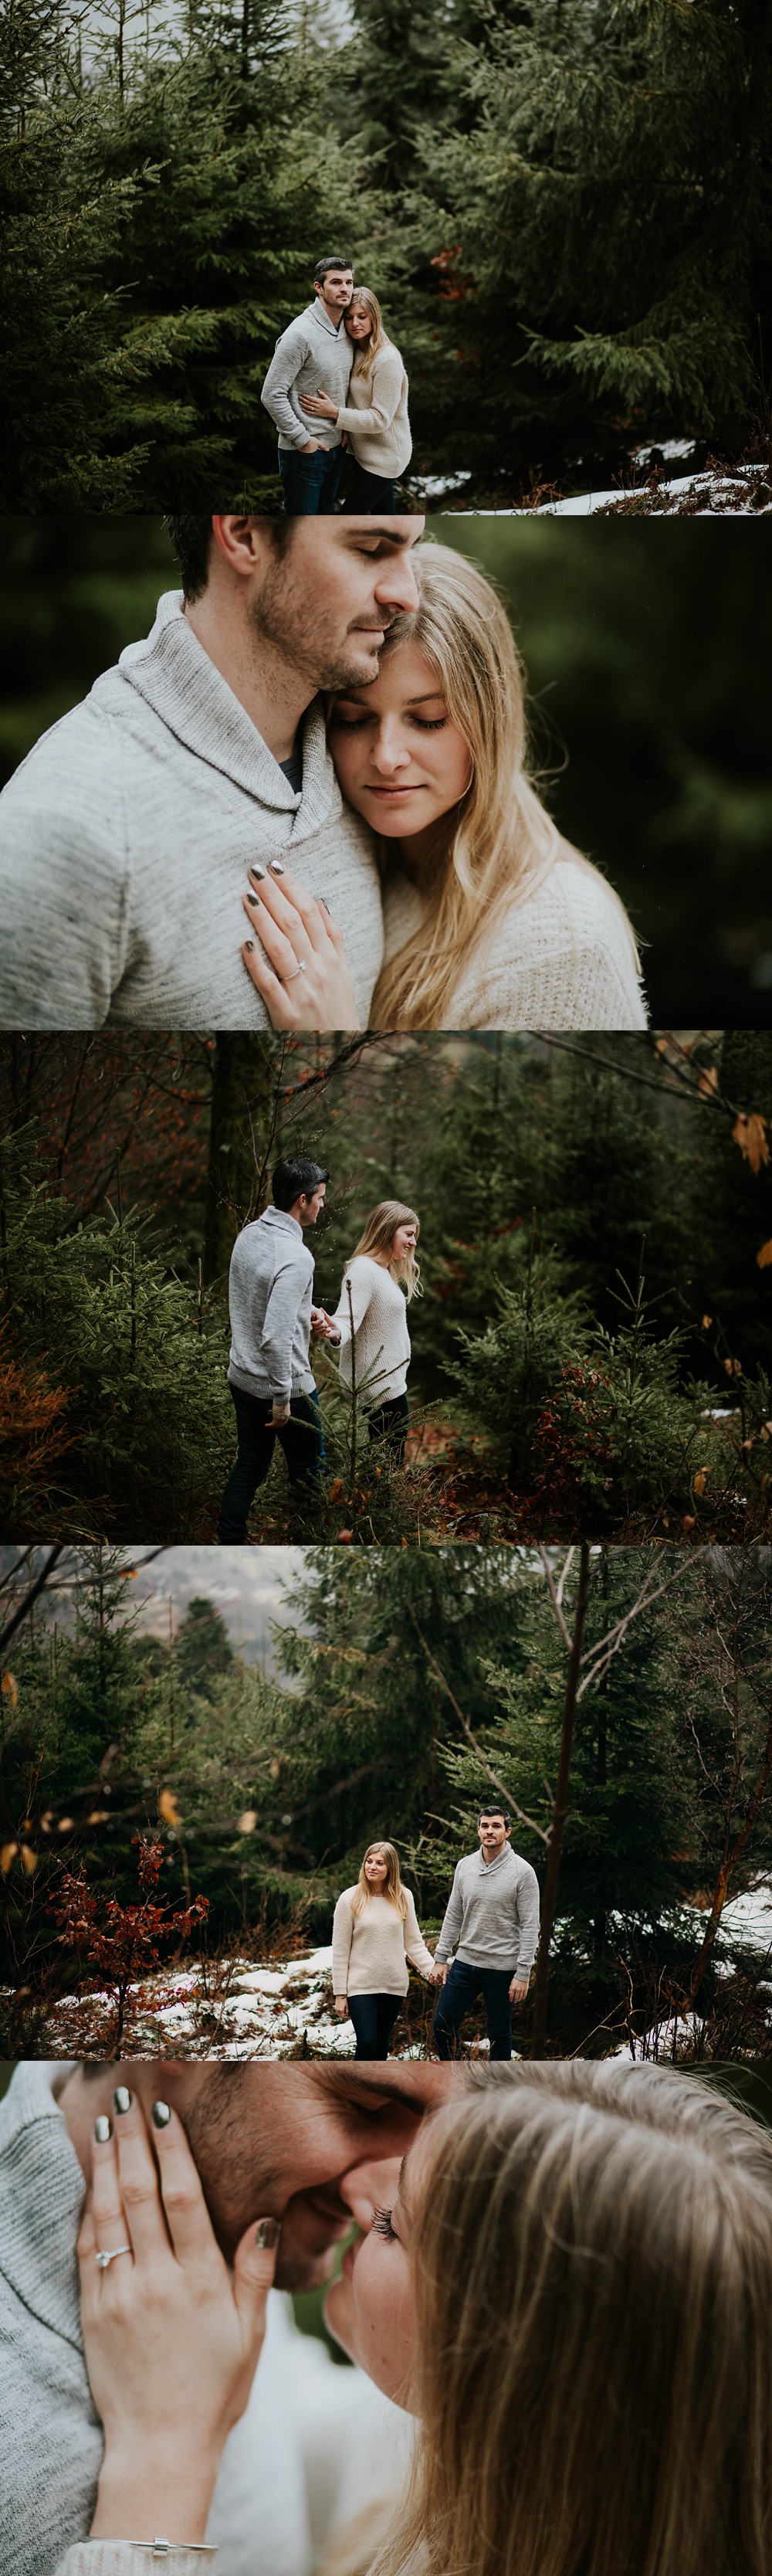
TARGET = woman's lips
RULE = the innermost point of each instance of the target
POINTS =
(393, 791)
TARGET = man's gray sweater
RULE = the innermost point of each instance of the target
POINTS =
(492, 1916)
(269, 1290)
(125, 839)
(311, 354)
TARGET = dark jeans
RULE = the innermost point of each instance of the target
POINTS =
(310, 483)
(459, 1992)
(368, 494)
(303, 1445)
(390, 1422)
(373, 2017)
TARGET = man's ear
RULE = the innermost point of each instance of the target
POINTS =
(241, 541)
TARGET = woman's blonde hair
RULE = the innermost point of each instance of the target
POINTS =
(367, 350)
(380, 1229)
(499, 842)
(393, 1889)
(593, 2301)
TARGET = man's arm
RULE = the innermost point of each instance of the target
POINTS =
(283, 1304)
(288, 357)
(527, 1922)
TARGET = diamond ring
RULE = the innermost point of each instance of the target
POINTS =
(296, 970)
(103, 2259)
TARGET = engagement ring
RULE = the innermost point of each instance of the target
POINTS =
(296, 970)
(104, 2259)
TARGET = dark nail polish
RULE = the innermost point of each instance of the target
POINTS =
(257, 872)
(122, 2098)
(267, 2233)
(253, 899)
(102, 2129)
(276, 867)
(160, 2115)
(250, 945)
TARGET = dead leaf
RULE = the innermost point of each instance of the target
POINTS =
(247, 1822)
(764, 1257)
(65, 1824)
(706, 1323)
(168, 1808)
(337, 1491)
(734, 1368)
(708, 1081)
(10, 1688)
(688, 1521)
(700, 1480)
(7, 1857)
(98, 1816)
(274, 1767)
(29, 1860)
(751, 1135)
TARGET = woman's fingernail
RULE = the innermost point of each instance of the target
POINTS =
(276, 866)
(254, 899)
(257, 872)
(160, 2115)
(102, 2129)
(250, 945)
(267, 2233)
(122, 2098)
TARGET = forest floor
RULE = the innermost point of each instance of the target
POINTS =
(713, 489)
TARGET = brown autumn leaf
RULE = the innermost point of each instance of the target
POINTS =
(688, 1521)
(708, 1081)
(10, 1688)
(700, 1480)
(764, 1257)
(706, 1323)
(734, 1368)
(168, 1808)
(247, 1822)
(751, 1135)
(29, 1860)
(337, 1491)
(7, 1857)
(98, 1816)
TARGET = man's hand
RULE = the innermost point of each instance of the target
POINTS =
(518, 1990)
(280, 1414)
(311, 447)
(323, 1323)
(438, 1974)
(341, 2007)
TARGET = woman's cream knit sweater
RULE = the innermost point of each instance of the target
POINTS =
(562, 959)
(370, 1951)
(376, 415)
(381, 1338)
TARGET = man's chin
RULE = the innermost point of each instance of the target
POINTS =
(305, 2271)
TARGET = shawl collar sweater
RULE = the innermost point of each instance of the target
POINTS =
(269, 1290)
(492, 1916)
(312, 352)
(125, 838)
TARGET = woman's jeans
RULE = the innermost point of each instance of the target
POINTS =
(459, 1992)
(310, 483)
(373, 2017)
(301, 1440)
(368, 493)
(389, 1422)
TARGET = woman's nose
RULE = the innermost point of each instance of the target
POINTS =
(389, 750)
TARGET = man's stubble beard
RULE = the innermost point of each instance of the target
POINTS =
(279, 614)
(220, 2129)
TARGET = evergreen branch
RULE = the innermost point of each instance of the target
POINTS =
(471, 1739)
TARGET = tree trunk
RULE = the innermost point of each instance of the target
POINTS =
(240, 1136)
(539, 2034)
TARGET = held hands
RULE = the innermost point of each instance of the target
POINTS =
(437, 1976)
(341, 2007)
(324, 1324)
(297, 960)
(319, 404)
(172, 2343)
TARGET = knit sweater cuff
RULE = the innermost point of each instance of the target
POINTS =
(119, 2558)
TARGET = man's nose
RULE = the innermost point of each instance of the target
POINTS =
(397, 586)
(368, 2187)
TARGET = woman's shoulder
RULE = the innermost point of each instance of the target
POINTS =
(346, 1894)
(563, 955)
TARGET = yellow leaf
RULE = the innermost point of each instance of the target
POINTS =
(688, 1521)
(7, 1857)
(99, 1815)
(10, 1688)
(247, 1822)
(65, 1824)
(29, 1860)
(167, 1807)
(700, 1480)
(706, 1323)
(764, 1257)
(734, 1368)
(751, 1135)
(708, 1081)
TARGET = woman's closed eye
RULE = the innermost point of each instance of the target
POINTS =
(353, 724)
(383, 2227)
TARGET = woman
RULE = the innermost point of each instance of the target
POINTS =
(375, 416)
(371, 1321)
(492, 921)
(374, 1933)
(570, 2287)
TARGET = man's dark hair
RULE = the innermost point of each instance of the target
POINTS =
(323, 266)
(495, 1810)
(295, 1178)
(192, 538)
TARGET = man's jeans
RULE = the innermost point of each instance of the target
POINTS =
(368, 494)
(459, 1992)
(310, 483)
(303, 1445)
(373, 2017)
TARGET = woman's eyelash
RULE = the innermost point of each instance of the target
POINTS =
(383, 2226)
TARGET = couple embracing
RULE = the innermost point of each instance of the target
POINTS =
(361, 402)
(560, 2272)
(325, 731)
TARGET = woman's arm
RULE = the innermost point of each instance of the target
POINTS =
(297, 957)
(350, 1311)
(415, 1945)
(172, 2342)
(342, 1937)
(386, 385)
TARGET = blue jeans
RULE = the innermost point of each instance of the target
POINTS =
(389, 1422)
(368, 494)
(373, 2017)
(301, 1440)
(310, 483)
(459, 1992)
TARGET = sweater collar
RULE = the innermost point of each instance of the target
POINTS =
(174, 675)
(316, 313)
(280, 1217)
(487, 1865)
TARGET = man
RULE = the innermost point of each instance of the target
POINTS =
(312, 2146)
(272, 1385)
(492, 1922)
(126, 835)
(315, 350)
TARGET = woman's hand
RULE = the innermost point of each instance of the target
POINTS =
(341, 2007)
(298, 959)
(319, 404)
(172, 2343)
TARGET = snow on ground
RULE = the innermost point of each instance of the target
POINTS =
(707, 493)
(229, 2009)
